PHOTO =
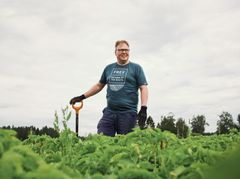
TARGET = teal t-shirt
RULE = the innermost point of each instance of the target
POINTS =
(123, 82)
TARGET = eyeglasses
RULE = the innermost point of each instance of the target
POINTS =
(123, 50)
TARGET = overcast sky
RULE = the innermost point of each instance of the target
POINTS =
(51, 51)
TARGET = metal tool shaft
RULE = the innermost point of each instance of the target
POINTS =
(77, 109)
(77, 121)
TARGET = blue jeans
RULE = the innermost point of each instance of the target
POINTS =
(116, 122)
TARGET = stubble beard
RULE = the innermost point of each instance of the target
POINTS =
(123, 59)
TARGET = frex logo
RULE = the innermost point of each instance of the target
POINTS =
(117, 78)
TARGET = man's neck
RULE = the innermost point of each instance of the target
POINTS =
(123, 63)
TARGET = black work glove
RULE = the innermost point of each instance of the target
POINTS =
(77, 99)
(142, 117)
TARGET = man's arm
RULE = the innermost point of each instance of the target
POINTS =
(144, 95)
(142, 114)
(94, 90)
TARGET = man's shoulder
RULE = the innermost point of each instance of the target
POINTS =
(110, 65)
(135, 65)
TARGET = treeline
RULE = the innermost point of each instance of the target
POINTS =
(196, 125)
(23, 132)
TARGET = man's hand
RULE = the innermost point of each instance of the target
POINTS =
(142, 117)
(77, 99)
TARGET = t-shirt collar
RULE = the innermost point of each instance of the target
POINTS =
(123, 64)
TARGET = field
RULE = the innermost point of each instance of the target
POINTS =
(148, 153)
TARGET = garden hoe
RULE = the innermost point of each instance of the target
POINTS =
(77, 109)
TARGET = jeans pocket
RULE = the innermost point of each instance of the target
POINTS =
(133, 115)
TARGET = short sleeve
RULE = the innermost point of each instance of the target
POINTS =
(103, 78)
(141, 78)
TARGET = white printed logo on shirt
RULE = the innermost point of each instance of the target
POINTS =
(117, 78)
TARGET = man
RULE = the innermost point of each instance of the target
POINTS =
(123, 79)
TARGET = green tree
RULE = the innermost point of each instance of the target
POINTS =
(150, 122)
(238, 119)
(182, 128)
(238, 125)
(48, 131)
(198, 124)
(225, 123)
(158, 125)
(168, 123)
(24, 131)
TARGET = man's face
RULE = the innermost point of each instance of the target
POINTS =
(122, 53)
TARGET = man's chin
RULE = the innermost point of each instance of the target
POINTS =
(123, 61)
